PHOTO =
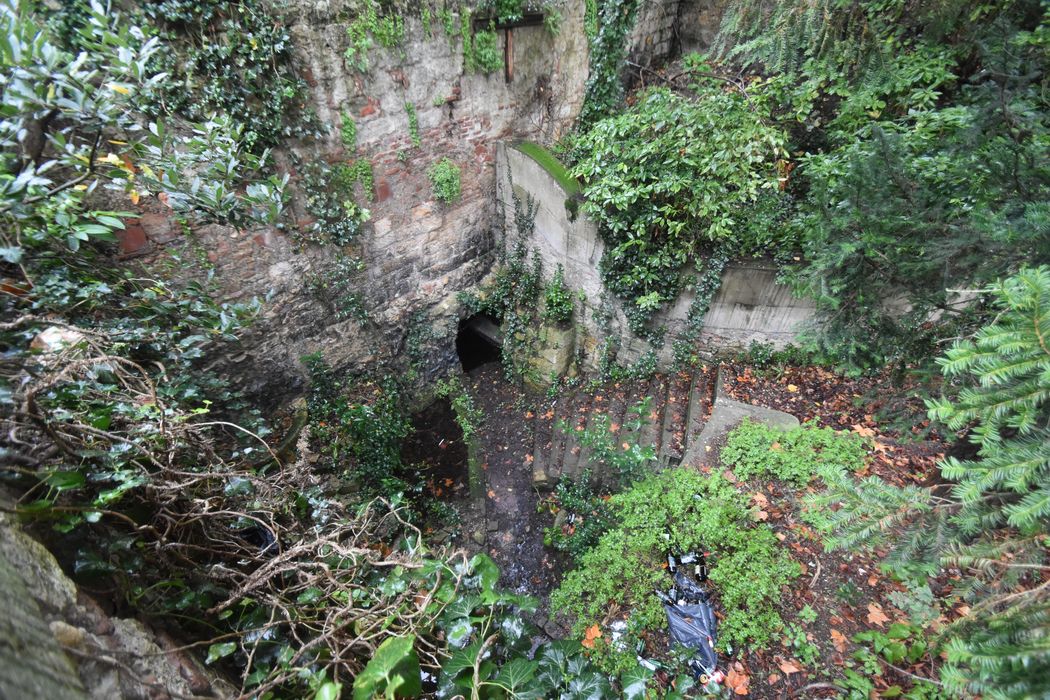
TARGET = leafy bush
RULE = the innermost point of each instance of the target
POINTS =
(557, 299)
(796, 456)
(639, 170)
(361, 425)
(587, 516)
(487, 53)
(680, 510)
(445, 180)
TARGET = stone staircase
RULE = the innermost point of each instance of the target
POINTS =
(679, 406)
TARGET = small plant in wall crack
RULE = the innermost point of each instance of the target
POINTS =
(557, 299)
(413, 124)
(348, 131)
(445, 179)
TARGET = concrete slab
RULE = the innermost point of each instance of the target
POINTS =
(727, 414)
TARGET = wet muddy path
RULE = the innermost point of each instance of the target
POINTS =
(512, 527)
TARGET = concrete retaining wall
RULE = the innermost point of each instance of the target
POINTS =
(750, 306)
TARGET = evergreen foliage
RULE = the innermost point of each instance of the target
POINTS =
(995, 522)
(923, 128)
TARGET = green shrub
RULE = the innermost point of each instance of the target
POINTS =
(677, 511)
(589, 515)
(444, 178)
(640, 173)
(760, 451)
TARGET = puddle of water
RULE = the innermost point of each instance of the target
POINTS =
(436, 446)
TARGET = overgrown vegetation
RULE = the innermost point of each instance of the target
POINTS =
(756, 450)
(921, 128)
(557, 299)
(655, 215)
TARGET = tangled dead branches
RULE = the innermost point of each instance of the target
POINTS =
(281, 578)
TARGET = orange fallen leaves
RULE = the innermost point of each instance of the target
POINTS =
(787, 667)
(593, 632)
(862, 431)
(839, 640)
(738, 681)
(876, 616)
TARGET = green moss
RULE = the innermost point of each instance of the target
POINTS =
(552, 165)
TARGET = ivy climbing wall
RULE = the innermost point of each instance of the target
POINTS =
(749, 306)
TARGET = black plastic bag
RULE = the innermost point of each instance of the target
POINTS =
(692, 621)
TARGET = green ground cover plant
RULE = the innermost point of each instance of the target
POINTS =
(756, 450)
(679, 510)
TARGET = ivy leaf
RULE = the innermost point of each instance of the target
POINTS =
(329, 691)
(515, 674)
(220, 651)
(393, 669)
(634, 681)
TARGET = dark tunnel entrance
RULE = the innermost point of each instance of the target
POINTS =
(478, 341)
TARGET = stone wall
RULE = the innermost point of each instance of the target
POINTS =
(56, 642)
(750, 305)
(698, 23)
(654, 38)
(417, 252)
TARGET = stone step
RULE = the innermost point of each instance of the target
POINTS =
(672, 442)
(726, 415)
(577, 423)
(542, 423)
(701, 402)
(600, 408)
(562, 411)
(652, 431)
(636, 391)
(617, 393)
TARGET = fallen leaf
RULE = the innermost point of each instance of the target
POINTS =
(760, 515)
(876, 616)
(773, 679)
(737, 681)
(862, 431)
(963, 610)
(760, 499)
(839, 640)
(788, 667)
(873, 580)
(776, 447)
(529, 458)
(492, 494)
(792, 388)
(593, 632)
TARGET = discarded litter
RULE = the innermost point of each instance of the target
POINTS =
(690, 616)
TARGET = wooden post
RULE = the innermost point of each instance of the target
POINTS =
(508, 55)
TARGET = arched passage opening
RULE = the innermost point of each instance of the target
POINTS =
(478, 341)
